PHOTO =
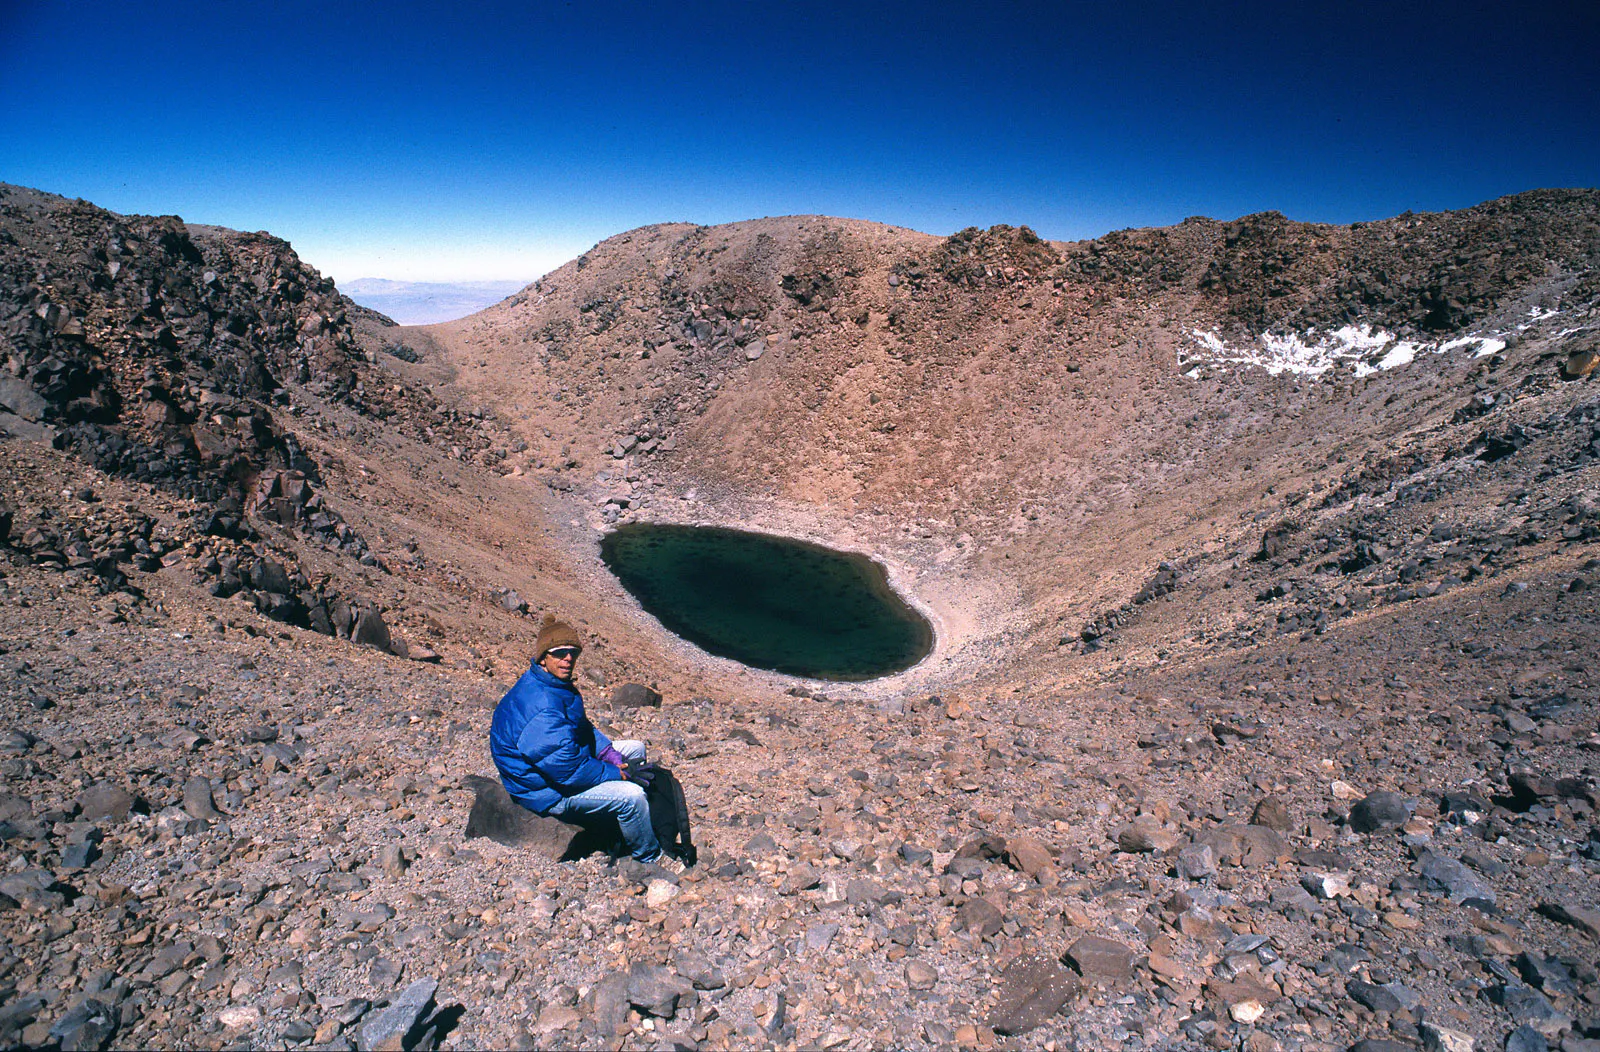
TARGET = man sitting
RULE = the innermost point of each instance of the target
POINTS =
(553, 761)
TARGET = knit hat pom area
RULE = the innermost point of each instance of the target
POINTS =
(552, 634)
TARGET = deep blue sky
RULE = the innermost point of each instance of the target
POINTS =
(495, 140)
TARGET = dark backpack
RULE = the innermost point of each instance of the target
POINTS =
(669, 815)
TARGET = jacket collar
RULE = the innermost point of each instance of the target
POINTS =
(540, 673)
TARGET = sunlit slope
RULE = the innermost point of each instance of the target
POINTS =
(1054, 415)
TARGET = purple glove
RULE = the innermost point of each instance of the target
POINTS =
(614, 758)
(643, 773)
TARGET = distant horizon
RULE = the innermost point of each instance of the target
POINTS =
(504, 140)
(560, 260)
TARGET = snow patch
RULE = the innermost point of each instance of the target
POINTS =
(1362, 348)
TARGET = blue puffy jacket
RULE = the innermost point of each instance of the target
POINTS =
(543, 745)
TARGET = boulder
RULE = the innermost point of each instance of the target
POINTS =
(1379, 811)
(700, 970)
(1028, 855)
(269, 575)
(1146, 834)
(1250, 846)
(1196, 862)
(370, 630)
(921, 976)
(1586, 919)
(634, 696)
(89, 1025)
(1375, 997)
(1580, 363)
(106, 802)
(496, 816)
(980, 916)
(1529, 788)
(392, 1029)
(1526, 1039)
(1102, 961)
(1528, 1007)
(1032, 989)
(1273, 813)
(657, 990)
(19, 397)
(1443, 873)
(197, 798)
(608, 1005)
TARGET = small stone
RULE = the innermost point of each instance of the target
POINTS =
(1167, 968)
(1326, 885)
(1519, 723)
(1249, 846)
(556, 1018)
(1253, 995)
(820, 936)
(659, 892)
(699, 970)
(1436, 1038)
(239, 1017)
(800, 878)
(80, 854)
(608, 1001)
(920, 976)
(1246, 1011)
(859, 890)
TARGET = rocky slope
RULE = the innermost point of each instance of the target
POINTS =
(1261, 716)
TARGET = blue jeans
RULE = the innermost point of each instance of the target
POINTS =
(623, 801)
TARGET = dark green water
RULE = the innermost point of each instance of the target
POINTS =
(770, 602)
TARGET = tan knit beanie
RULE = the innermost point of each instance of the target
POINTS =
(552, 634)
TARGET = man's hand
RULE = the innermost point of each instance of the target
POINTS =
(642, 773)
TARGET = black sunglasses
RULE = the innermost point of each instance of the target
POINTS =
(561, 653)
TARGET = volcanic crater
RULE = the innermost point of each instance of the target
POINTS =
(1260, 554)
